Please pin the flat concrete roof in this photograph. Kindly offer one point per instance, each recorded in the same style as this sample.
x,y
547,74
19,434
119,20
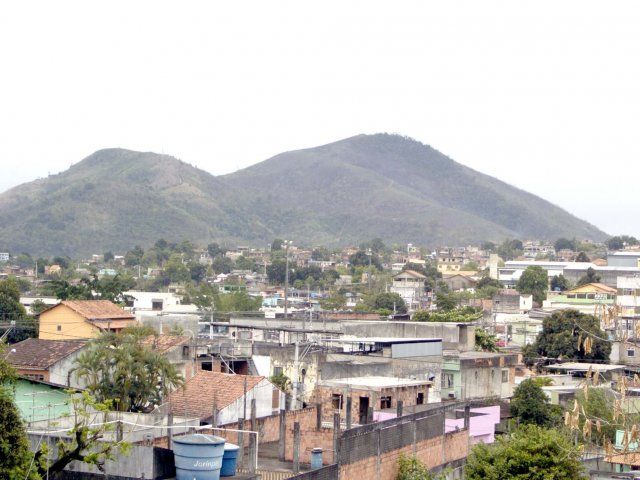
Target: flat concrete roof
x,y
374,382
387,340
583,367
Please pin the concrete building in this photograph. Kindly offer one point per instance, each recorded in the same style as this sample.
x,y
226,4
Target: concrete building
x,y
474,375
623,259
410,285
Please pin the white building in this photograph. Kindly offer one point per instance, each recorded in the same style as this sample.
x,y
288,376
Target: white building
x,y
410,285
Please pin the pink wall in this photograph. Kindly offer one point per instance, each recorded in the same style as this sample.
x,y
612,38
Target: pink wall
x,y
481,427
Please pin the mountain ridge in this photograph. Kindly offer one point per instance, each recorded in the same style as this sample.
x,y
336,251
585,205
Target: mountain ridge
x,y
343,192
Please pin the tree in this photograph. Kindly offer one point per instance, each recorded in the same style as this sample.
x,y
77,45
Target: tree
x,y
10,307
336,301
222,264
485,342
564,335
237,302
487,246
388,301
590,277
582,257
446,301
15,457
134,257
108,256
599,405
214,250
509,249
246,263
410,468
38,306
534,281
530,404
121,366
281,381
564,244
620,241
85,440
531,453
197,271
276,271
559,283
362,259
176,270
276,244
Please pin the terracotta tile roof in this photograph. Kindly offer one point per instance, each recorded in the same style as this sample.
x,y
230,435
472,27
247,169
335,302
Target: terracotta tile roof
x,y
163,343
197,396
98,309
37,353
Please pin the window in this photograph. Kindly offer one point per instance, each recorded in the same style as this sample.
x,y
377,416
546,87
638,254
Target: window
x,y
185,351
447,380
40,378
420,399
59,328
277,371
505,376
336,401
385,402
631,352
156,305
275,399
245,334
272,335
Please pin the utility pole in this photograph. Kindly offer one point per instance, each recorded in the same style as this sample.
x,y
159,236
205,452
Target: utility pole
x,y
286,276
369,254
296,373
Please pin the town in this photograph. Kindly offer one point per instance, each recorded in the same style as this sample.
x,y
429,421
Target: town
x,y
375,361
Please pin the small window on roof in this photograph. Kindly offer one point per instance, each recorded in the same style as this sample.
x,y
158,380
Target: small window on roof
x,y
59,328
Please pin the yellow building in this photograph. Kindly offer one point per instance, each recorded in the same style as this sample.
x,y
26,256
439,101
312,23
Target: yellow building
x,y
82,319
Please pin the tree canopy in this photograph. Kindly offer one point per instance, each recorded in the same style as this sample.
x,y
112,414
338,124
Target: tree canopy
x,y
123,367
569,334
531,453
530,405
589,277
534,281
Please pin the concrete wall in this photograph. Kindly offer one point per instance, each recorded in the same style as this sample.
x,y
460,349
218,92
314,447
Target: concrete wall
x,y
63,372
454,336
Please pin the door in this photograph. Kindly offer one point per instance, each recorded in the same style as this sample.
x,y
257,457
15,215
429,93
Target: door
x,y
362,410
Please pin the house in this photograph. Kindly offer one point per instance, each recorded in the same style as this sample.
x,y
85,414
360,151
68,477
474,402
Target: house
x,y
4,256
459,281
585,298
225,393
82,319
410,285
50,361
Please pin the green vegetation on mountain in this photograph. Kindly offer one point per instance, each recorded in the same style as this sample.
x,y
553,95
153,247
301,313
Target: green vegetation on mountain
x,y
369,186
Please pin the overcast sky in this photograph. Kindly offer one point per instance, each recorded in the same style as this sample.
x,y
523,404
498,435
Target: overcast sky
x,y
544,95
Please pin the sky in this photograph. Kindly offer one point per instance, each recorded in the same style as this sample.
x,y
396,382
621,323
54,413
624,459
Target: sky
x,y
544,95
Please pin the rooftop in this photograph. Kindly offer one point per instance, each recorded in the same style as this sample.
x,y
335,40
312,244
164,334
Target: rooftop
x,y
163,343
374,382
96,309
36,353
583,367
199,392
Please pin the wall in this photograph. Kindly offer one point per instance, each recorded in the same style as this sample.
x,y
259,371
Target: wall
x,y
62,373
310,436
454,336
262,392
74,326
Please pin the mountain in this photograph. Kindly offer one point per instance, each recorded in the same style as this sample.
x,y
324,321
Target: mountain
x,y
345,192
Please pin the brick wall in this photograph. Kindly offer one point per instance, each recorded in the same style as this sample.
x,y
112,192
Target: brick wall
x,y
310,437
433,452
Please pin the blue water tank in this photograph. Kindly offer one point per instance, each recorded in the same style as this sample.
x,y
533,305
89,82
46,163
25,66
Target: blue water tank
x,y
229,460
316,458
198,456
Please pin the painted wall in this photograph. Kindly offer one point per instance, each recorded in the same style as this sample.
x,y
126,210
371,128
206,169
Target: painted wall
x,y
263,393
73,326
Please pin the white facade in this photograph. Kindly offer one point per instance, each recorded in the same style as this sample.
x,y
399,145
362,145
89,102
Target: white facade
x,y
265,404
4,256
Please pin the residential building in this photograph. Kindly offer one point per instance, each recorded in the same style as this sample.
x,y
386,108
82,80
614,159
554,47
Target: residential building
x,y
50,361
82,319
4,256
411,286
458,281
585,298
